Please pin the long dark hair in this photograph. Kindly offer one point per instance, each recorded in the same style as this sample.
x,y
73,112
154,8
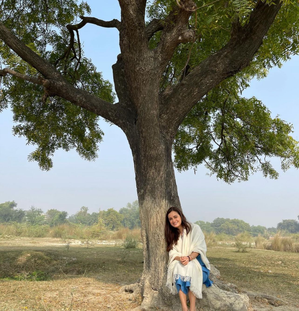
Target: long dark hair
x,y
172,234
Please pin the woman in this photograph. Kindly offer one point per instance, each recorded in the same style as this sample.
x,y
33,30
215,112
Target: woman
x,y
188,266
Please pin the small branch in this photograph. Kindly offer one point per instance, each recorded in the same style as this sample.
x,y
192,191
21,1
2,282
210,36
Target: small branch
x,y
193,7
74,28
95,21
34,80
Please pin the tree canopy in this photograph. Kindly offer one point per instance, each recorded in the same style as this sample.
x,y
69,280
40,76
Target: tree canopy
x,y
8,213
289,225
232,135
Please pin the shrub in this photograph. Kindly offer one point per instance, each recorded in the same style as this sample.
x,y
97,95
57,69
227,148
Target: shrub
x,y
296,248
130,242
37,231
210,239
287,244
282,244
276,242
122,233
243,241
260,242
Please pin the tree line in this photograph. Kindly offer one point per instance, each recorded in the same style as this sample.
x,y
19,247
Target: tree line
x,y
111,219
128,217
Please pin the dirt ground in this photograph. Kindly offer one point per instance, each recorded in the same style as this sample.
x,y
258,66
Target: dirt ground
x,y
82,293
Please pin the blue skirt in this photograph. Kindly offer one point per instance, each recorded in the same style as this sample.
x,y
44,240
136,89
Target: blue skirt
x,y
184,286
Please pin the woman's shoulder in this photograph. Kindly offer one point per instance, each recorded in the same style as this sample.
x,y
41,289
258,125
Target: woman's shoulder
x,y
195,227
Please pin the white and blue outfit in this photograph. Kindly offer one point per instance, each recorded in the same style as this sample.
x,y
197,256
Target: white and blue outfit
x,y
196,272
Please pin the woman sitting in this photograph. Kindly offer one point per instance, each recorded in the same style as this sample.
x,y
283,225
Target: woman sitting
x,y
188,267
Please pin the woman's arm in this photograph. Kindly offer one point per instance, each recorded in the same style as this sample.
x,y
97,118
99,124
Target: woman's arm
x,y
193,255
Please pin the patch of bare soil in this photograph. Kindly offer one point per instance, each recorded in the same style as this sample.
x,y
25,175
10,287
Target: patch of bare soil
x,y
76,294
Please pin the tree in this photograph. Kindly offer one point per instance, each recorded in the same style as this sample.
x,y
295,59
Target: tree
x,y
217,223
289,225
258,230
130,214
178,81
230,226
111,219
8,213
84,218
205,226
55,217
35,216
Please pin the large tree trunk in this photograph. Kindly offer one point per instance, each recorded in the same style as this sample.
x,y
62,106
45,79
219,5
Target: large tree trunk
x,y
157,191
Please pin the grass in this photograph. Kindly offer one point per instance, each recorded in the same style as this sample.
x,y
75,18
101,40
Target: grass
x,y
37,277
56,278
261,271
114,264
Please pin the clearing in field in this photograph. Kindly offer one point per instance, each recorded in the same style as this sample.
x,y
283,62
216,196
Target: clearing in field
x,y
48,274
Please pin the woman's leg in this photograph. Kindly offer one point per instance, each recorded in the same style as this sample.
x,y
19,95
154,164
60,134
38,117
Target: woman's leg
x,y
192,299
183,299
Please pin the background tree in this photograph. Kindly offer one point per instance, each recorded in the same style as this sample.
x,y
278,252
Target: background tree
x,y
8,213
205,226
289,225
230,226
35,216
111,218
130,214
178,81
84,218
217,223
258,230
55,217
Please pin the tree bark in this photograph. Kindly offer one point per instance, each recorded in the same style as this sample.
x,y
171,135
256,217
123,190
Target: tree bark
x,y
157,191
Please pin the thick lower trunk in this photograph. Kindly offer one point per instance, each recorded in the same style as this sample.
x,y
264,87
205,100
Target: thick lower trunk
x,y
157,191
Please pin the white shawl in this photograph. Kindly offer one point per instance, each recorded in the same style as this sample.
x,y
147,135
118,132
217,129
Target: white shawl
x,y
188,243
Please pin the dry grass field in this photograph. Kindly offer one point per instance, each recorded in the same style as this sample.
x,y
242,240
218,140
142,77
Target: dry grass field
x,y
46,274
260,272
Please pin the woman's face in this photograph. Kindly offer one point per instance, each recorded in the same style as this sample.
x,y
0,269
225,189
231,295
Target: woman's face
x,y
175,220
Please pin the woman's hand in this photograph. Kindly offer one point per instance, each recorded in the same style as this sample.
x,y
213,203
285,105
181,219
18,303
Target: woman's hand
x,y
184,260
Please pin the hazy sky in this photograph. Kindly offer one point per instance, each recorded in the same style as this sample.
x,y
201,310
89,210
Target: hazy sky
x,y
110,182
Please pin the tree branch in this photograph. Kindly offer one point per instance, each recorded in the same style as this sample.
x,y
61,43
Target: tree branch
x,y
56,85
232,58
34,60
74,28
133,38
154,26
34,80
95,21
176,31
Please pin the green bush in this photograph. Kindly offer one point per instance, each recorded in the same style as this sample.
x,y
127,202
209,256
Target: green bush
x,y
243,241
130,242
